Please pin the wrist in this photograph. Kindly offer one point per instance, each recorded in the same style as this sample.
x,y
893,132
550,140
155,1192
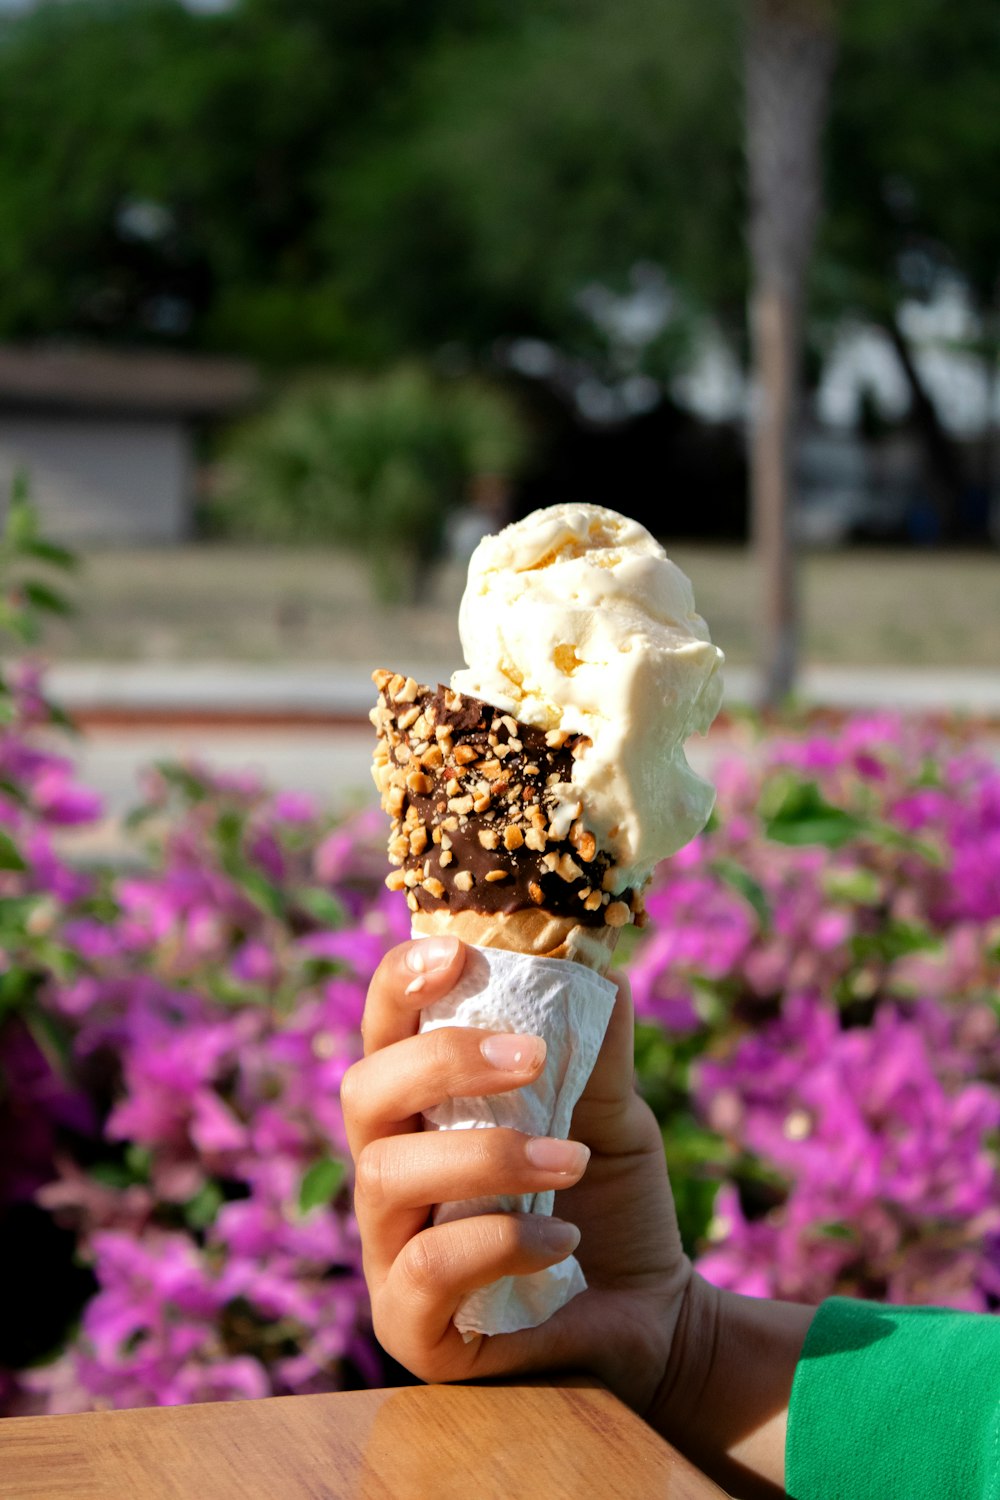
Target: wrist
x,y
724,1396
690,1358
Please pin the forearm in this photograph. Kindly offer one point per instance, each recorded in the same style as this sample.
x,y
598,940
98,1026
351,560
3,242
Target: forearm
x,y
724,1398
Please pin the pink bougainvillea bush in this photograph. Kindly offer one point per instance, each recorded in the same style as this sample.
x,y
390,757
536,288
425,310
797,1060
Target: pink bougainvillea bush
x,y
821,979
818,999
172,1068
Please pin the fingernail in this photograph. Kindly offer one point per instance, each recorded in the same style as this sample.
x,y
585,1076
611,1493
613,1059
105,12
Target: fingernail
x,y
430,953
568,1158
554,1235
512,1052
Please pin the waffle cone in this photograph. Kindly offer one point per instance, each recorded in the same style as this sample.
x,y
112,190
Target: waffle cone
x,y
534,931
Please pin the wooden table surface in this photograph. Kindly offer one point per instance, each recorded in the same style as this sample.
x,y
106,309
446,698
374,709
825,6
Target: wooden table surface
x,y
568,1441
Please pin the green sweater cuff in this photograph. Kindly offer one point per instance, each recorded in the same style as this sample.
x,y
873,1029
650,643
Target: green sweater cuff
x,y
899,1402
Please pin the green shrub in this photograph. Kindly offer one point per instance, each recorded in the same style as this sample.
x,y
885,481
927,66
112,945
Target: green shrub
x,y
373,464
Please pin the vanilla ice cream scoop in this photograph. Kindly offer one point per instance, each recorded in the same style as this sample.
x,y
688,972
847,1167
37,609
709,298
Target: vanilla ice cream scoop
x,y
575,620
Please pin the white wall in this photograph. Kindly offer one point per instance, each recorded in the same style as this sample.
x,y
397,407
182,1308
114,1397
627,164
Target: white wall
x,y
101,480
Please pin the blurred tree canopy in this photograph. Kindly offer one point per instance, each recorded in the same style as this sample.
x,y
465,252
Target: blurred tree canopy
x,y
298,180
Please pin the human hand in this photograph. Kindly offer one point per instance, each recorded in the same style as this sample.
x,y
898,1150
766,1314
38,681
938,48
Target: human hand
x,y
619,1201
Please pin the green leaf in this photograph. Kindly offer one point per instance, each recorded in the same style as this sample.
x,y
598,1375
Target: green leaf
x,y
182,780
42,597
17,984
857,885
10,855
139,1160
22,522
800,814
741,881
200,1211
50,1037
321,1183
322,905
60,718
48,552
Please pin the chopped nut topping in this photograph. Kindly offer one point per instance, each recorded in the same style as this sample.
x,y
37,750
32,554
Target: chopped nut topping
x,y
514,744
418,783
464,755
584,842
593,901
446,858
513,838
481,803
395,880
396,686
556,738
442,839
617,914
418,841
569,869
433,887
380,677
488,838
432,757
490,768
411,901
461,805
502,751
509,724
463,880
535,839
407,693
493,875
402,754
410,717
535,892
531,769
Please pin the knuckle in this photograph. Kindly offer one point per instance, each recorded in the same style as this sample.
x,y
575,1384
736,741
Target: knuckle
x,y
457,1059
351,1092
370,1175
420,1266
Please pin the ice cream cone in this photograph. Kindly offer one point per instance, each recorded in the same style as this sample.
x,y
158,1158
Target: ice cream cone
x,y
485,842
535,932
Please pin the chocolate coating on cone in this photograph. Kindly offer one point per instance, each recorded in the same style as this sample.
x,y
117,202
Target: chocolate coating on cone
x,y
478,802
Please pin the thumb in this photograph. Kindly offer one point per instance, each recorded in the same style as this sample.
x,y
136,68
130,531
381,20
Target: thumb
x,y
611,1085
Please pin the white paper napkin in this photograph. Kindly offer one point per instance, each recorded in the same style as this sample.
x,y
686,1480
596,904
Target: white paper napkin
x,y
570,1006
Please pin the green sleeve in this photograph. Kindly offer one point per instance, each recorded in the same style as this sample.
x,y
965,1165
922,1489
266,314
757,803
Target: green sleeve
x,y
895,1403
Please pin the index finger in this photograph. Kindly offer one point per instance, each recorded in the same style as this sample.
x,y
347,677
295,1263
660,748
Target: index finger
x,y
409,977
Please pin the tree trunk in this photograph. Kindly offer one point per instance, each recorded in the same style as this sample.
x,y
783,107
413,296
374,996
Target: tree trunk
x,y
790,53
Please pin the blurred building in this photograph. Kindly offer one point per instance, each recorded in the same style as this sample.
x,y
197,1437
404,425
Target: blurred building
x,y
107,437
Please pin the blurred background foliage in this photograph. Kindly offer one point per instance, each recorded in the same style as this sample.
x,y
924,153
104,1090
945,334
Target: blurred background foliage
x,y
357,183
